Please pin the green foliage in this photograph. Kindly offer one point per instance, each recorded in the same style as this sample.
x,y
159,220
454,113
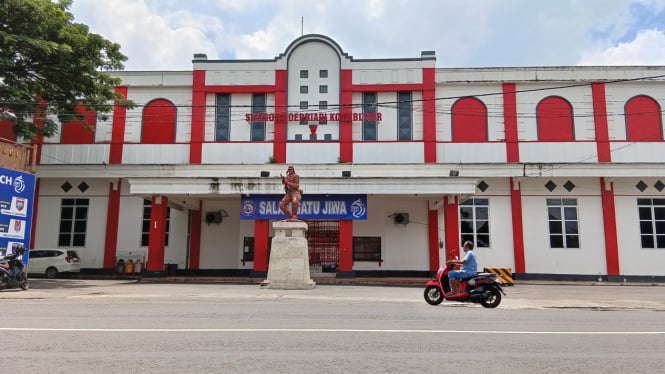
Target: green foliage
x,y
49,65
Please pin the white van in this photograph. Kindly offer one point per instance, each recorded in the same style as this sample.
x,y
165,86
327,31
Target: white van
x,y
51,262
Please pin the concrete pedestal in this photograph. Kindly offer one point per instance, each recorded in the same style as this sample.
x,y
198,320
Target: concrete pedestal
x,y
288,268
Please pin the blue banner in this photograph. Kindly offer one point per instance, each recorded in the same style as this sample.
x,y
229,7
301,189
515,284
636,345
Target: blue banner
x,y
17,190
311,207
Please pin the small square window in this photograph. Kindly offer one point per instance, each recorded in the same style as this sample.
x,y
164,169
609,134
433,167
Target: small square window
x,y
304,73
304,89
323,105
323,88
323,73
304,105
303,122
298,137
323,122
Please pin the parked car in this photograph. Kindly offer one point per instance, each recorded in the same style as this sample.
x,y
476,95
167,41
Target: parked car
x,y
52,262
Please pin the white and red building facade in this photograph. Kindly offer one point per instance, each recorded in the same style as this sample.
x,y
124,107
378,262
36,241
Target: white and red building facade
x,y
552,171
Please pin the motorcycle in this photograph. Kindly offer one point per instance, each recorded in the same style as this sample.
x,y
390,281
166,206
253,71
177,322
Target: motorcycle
x,y
13,273
483,288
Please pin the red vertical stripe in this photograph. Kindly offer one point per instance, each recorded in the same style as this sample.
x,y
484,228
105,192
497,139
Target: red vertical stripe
x,y
35,206
346,127
346,245
518,229
433,231
600,122
279,144
157,234
118,131
195,238
112,220
198,116
429,115
610,224
38,121
510,122
451,221
261,237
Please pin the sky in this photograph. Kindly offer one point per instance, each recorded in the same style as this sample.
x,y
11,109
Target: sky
x,y
165,34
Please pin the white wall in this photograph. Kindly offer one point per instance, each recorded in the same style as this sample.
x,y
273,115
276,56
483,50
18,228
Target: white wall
x,y
80,154
558,152
451,92
578,97
633,259
540,258
48,217
388,152
181,97
221,244
617,94
501,252
404,247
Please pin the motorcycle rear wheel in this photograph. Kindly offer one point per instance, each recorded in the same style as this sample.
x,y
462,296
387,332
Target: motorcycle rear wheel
x,y
493,299
433,295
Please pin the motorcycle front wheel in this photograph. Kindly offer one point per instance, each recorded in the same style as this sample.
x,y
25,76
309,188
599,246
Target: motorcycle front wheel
x,y
24,283
433,295
493,299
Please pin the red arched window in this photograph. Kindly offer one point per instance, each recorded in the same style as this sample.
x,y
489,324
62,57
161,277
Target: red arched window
x,y
6,130
555,120
80,131
159,118
643,120
469,120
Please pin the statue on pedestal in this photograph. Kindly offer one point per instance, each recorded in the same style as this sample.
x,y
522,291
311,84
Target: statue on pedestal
x,y
292,196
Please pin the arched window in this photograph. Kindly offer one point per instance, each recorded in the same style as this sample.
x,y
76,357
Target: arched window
x,y
80,131
555,120
643,120
159,119
469,120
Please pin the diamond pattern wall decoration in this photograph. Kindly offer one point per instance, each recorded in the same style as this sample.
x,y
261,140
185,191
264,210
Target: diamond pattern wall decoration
x,y
83,186
659,186
66,186
483,186
569,186
550,186
641,186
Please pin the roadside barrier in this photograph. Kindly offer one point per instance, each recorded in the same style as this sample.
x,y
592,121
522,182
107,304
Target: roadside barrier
x,y
504,274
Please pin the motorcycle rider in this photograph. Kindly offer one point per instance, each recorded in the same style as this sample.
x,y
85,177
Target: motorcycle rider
x,y
469,267
15,265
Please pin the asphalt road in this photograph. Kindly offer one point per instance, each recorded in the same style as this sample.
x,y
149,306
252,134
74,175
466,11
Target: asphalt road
x,y
108,326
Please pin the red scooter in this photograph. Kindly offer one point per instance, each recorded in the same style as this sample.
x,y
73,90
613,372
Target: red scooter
x,y
483,288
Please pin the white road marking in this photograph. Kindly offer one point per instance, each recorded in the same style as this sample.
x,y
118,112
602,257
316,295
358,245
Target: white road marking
x,y
489,332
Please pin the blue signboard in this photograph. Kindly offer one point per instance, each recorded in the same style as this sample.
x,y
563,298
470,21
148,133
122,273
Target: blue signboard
x,y
17,190
311,207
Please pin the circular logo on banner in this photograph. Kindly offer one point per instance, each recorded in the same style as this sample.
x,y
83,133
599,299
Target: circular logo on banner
x,y
248,207
19,185
358,209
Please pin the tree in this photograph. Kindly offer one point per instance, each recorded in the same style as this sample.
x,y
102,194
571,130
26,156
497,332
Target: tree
x,y
50,65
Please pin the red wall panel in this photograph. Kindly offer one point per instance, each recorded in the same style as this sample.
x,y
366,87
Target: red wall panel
x,y
643,121
555,120
159,119
469,120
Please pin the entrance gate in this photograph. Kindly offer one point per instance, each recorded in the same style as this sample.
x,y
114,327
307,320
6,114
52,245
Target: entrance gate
x,y
323,245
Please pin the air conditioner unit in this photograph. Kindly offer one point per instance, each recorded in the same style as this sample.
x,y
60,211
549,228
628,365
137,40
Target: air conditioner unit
x,y
401,218
214,217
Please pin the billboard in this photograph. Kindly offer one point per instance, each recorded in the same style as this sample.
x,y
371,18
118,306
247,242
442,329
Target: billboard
x,y
17,190
311,207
